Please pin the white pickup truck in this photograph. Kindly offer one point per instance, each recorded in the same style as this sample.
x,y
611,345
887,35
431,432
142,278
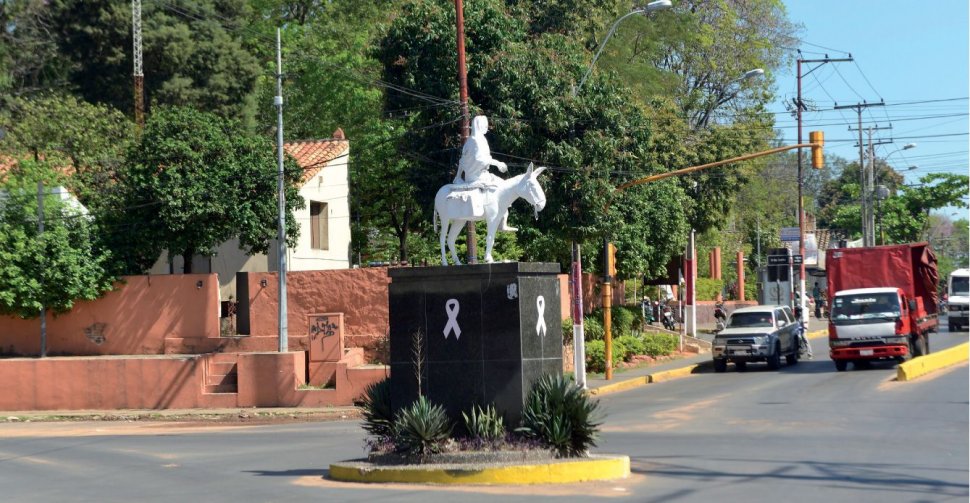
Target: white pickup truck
x,y
755,334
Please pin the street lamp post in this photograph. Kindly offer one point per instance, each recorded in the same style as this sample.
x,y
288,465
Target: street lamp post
x,y
873,195
579,349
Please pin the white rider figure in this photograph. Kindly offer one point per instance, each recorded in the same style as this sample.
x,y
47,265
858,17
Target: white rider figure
x,y
475,160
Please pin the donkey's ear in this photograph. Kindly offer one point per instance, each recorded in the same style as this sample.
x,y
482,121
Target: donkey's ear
x,y
538,171
529,170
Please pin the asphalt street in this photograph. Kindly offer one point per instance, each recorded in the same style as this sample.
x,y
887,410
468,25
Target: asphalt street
x,y
803,433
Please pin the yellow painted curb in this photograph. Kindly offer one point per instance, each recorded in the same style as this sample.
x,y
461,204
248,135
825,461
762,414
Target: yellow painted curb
x,y
635,382
620,386
560,471
667,375
817,334
934,361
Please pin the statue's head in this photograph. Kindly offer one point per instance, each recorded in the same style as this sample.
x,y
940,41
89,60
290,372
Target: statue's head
x,y
479,125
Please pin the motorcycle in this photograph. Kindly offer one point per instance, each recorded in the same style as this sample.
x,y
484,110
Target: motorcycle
x,y
720,317
668,318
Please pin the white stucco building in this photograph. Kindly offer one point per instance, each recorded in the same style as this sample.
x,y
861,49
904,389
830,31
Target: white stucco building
x,y
324,221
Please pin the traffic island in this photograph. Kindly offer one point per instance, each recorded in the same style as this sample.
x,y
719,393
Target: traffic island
x,y
932,362
487,472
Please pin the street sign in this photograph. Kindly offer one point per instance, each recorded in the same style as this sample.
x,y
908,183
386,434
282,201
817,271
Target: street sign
x,y
796,260
778,260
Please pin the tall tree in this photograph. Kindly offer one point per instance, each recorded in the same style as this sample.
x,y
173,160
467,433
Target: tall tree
x,y
56,267
193,182
193,53
522,81
88,141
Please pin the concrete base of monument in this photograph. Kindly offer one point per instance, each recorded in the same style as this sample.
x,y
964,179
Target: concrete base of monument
x,y
549,471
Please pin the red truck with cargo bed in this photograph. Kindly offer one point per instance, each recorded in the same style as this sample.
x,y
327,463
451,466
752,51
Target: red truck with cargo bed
x,y
883,302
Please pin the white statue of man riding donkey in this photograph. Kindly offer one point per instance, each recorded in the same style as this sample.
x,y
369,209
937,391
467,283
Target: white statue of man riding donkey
x,y
482,196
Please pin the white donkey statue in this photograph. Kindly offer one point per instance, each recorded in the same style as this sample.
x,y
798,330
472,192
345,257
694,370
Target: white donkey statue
x,y
455,206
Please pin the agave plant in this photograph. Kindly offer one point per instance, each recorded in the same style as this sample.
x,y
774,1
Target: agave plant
x,y
484,425
561,416
376,409
421,429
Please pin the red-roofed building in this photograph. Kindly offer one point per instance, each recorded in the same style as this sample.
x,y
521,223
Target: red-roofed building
x,y
324,221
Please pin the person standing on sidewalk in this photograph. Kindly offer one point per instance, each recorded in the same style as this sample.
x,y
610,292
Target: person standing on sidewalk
x,y
806,348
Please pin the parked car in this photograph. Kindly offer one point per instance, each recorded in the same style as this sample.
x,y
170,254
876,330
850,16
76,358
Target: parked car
x,y
756,334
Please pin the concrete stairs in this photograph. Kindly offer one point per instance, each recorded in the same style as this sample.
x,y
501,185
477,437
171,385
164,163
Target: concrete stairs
x,y
220,374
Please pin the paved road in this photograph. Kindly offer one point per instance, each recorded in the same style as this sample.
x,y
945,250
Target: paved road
x,y
804,433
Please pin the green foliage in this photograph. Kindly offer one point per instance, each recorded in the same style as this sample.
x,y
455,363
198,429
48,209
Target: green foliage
x,y
54,268
631,345
562,416
708,289
567,331
596,355
659,344
193,53
88,141
421,429
629,319
193,182
484,425
523,81
592,328
376,408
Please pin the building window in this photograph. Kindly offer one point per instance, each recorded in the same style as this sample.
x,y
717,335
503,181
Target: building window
x,y
319,240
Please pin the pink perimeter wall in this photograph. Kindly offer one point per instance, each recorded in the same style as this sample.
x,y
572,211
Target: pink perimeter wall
x,y
133,319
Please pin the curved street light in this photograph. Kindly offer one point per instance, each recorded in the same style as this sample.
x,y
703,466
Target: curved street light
x,y
650,7
577,260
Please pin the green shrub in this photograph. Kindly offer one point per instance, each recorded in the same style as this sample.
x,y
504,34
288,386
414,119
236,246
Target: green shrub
x,y
592,328
596,355
375,406
707,288
631,344
626,320
561,416
484,425
421,429
567,331
658,344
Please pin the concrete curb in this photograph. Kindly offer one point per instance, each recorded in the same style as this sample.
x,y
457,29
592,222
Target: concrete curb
x,y
667,375
922,365
560,471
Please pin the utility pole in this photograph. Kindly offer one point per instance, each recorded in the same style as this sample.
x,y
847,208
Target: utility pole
x,y
799,107
281,189
870,177
139,75
40,236
863,182
471,238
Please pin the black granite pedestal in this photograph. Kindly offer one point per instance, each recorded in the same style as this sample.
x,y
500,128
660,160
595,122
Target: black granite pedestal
x,y
487,333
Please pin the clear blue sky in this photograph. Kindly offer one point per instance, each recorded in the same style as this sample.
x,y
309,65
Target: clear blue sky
x,y
904,52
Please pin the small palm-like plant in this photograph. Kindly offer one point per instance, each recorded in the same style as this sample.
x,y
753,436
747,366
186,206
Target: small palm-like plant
x,y
484,425
562,416
376,409
421,429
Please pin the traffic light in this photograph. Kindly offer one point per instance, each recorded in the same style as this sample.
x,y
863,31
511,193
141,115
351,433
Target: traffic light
x,y
817,139
610,260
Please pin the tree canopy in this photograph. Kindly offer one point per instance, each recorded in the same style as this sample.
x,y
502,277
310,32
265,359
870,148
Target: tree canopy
x,y
194,181
54,268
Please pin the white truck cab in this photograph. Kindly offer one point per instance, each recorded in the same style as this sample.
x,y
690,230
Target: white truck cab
x,y
958,299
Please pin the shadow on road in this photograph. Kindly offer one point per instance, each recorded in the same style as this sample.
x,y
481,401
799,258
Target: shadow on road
x,y
848,476
306,472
